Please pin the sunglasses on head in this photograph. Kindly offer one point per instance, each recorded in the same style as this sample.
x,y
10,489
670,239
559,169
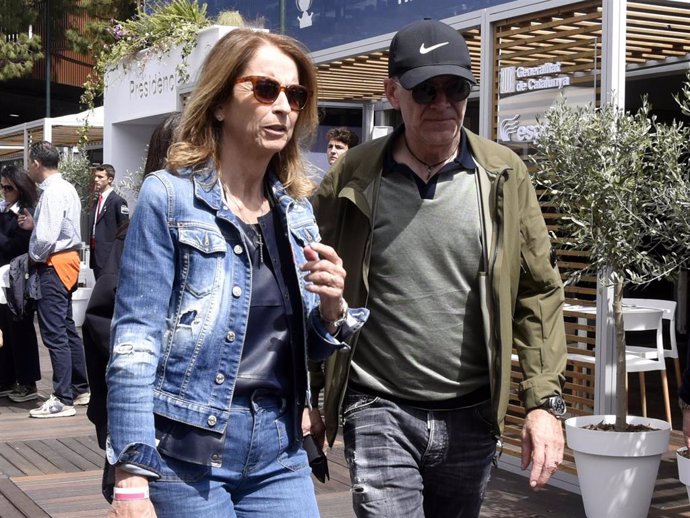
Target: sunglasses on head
x,y
7,188
455,90
267,90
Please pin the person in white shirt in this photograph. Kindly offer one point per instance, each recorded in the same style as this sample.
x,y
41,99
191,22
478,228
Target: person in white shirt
x,y
54,248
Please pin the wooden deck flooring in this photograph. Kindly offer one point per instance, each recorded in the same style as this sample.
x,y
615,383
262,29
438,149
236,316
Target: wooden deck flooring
x,y
52,468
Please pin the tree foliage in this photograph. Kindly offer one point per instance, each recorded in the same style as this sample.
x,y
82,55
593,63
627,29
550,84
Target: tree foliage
x,y
18,51
168,25
97,35
620,182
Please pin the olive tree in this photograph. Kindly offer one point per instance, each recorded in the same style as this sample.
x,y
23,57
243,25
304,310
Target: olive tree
x,y
619,182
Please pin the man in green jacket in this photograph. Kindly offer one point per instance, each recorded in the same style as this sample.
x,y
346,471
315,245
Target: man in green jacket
x,y
443,240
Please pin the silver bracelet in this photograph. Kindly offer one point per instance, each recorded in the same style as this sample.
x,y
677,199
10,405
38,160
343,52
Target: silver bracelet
x,y
342,318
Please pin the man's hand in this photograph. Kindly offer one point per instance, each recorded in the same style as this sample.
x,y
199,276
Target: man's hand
x,y
25,220
312,424
542,445
686,426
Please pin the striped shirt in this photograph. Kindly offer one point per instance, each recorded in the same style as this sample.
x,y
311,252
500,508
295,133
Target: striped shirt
x,y
57,219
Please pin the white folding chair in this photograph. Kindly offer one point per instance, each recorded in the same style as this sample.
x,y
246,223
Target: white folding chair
x,y
669,309
649,360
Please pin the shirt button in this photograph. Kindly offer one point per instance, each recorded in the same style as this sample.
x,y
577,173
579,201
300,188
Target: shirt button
x,y
220,379
236,291
215,457
230,336
212,420
238,249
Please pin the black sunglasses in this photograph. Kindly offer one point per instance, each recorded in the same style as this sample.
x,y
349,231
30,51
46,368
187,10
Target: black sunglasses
x,y
455,90
8,188
267,90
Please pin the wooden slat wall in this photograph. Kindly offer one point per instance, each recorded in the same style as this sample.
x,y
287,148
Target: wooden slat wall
x,y
67,66
570,35
360,78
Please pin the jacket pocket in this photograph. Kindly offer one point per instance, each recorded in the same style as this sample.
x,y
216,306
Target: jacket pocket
x,y
303,225
202,254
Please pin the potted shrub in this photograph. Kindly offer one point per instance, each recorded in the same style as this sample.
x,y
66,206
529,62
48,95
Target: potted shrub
x,y
683,454
619,181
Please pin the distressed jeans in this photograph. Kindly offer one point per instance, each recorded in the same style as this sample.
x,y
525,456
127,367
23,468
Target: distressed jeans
x,y
416,463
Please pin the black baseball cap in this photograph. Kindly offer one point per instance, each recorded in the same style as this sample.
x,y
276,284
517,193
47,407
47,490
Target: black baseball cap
x,y
427,49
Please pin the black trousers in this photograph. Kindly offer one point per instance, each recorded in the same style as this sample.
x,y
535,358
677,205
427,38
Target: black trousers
x,y
19,356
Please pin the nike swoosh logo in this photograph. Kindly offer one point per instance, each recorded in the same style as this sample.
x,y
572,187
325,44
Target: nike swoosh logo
x,y
425,50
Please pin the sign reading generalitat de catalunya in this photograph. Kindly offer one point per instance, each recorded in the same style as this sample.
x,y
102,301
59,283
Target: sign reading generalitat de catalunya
x,y
321,24
525,92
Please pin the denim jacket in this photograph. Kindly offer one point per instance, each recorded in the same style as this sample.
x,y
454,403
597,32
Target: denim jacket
x,y
181,312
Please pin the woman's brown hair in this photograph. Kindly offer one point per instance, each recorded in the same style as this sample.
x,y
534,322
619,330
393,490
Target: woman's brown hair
x,y
199,133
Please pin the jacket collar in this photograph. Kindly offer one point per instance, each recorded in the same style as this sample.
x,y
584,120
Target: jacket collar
x,y
207,188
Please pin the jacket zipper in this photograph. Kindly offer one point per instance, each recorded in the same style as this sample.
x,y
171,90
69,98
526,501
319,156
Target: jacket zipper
x,y
497,309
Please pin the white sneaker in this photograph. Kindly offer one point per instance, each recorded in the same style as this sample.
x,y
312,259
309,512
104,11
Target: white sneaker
x,y
82,399
53,407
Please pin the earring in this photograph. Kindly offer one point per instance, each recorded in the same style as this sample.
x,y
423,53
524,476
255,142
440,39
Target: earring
x,y
219,117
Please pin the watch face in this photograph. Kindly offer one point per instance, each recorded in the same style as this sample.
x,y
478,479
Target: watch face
x,y
557,405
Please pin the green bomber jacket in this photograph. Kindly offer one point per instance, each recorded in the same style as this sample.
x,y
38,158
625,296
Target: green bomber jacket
x,y
520,287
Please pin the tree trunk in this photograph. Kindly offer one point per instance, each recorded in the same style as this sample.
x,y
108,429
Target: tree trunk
x,y
621,373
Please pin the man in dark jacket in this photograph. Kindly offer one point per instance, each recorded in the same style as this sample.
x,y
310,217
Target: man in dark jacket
x,y
443,240
108,212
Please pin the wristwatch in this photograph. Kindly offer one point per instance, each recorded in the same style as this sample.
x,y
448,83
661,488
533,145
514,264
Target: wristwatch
x,y
342,318
555,405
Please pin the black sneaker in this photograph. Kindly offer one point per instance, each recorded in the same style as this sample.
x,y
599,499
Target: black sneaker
x,y
24,393
6,390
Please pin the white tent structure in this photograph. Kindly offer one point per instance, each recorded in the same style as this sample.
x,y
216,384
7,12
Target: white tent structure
x,y
62,131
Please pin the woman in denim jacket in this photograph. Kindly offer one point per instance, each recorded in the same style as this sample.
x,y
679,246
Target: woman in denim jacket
x,y
224,293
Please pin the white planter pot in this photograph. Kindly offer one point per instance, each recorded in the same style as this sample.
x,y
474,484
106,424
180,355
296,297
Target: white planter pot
x,y
683,469
80,299
617,470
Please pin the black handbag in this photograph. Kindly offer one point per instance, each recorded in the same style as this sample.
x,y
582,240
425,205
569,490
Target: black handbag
x,y
317,459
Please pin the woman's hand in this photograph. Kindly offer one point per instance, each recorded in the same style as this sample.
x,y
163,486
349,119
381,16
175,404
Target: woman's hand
x,y
327,279
312,424
141,508
131,509
25,220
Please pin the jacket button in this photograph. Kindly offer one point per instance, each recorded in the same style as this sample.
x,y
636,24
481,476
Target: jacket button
x,y
238,249
212,420
230,336
236,291
220,379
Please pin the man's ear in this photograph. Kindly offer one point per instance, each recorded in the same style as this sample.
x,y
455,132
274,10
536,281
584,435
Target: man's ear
x,y
391,88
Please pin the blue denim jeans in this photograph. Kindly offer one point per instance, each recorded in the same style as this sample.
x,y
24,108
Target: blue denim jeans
x,y
406,461
60,336
265,474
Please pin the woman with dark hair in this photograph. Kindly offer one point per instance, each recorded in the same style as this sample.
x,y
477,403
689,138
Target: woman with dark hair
x,y
162,137
225,291
19,364
99,312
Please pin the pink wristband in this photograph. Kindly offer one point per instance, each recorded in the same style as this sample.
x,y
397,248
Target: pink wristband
x,y
130,493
